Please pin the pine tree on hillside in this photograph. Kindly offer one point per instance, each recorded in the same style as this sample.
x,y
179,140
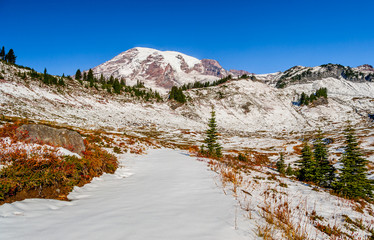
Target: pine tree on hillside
x,y
324,170
102,79
78,75
353,181
281,166
116,86
307,164
90,77
111,79
304,99
10,57
312,97
2,54
213,147
46,77
84,76
177,94
61,82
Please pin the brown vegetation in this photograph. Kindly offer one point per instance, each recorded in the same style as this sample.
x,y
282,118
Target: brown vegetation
x,y
41,172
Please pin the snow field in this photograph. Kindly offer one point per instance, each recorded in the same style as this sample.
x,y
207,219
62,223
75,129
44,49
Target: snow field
x,y
162,195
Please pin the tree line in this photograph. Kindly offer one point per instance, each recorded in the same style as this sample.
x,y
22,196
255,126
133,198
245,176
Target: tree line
x,y
118,86
314,166
198,84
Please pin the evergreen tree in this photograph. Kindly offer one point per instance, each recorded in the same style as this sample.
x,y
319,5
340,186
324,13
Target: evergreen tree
x,y
213,147
281,166
312,97
111,79
84,76
102,79
61,82
324,171
46,77
116,86
289,170
78,75
2,54
177,94
307,164
352,181
90,77
109,88
10,57
322,92
139,84
302,98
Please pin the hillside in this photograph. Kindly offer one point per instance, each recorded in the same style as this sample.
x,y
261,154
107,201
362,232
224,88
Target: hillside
x,y
242,105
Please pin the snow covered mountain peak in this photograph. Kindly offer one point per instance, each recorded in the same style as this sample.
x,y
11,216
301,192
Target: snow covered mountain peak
x,y
161,70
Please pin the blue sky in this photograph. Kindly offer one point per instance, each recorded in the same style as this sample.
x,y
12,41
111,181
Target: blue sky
x,y
257,36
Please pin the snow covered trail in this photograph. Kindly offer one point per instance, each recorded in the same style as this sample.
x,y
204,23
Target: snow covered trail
x,y
162,195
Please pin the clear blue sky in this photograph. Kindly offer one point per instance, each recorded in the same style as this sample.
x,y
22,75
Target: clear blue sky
x,y
257,36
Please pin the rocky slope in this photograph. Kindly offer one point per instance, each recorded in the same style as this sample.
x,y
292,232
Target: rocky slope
x,y
300,74
161,70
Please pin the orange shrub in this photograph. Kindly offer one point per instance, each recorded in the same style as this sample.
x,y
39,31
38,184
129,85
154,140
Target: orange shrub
x,y
40,172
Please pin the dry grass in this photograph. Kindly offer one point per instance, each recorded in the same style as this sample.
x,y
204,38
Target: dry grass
x,y
41,172
281,217
266,232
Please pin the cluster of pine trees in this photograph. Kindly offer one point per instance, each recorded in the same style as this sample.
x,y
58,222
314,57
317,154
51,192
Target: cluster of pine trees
x,y
9,57
305,99
314,166
118,86
177,94
44,77
140,91
50,79
88,77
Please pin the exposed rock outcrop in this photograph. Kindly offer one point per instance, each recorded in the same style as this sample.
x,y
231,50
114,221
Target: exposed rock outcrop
x,y
366,68
239,72
65,138
300,74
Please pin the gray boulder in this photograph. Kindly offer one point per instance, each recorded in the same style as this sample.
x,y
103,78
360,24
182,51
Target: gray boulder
x,y
65,138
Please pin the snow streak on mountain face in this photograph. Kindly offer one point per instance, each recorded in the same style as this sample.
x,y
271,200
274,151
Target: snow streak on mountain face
x,y
161,70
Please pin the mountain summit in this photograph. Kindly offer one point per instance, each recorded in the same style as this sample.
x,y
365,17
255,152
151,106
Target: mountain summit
x,y
161,69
